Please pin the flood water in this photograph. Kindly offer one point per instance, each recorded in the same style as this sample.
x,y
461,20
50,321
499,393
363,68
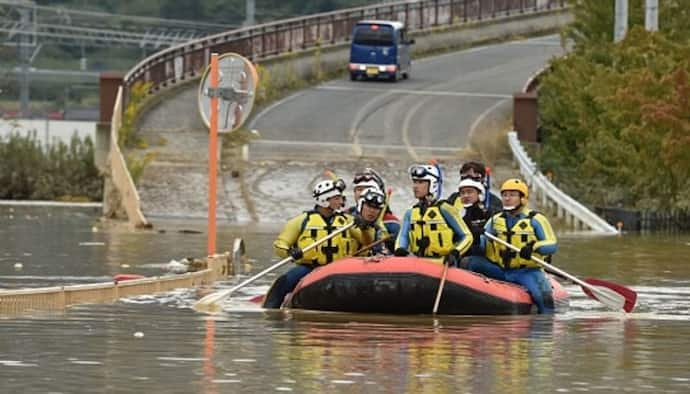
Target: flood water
x,y
158,344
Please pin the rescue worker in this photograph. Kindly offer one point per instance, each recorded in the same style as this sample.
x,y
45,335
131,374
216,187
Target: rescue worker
x,y
308,227
369,208
526,229
478,172
369,178
469,200
432,227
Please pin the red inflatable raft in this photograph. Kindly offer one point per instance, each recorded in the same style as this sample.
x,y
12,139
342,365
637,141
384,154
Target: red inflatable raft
x,y
408,285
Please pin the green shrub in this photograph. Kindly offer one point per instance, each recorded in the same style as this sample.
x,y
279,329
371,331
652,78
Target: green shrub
x,y
64,172
615,118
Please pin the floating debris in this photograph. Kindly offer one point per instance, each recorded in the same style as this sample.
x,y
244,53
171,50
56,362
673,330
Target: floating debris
x,y
177,267
91,243
18,266
138,334
187,231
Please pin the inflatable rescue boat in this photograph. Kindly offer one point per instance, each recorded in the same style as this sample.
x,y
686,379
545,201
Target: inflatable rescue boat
x,y
408,285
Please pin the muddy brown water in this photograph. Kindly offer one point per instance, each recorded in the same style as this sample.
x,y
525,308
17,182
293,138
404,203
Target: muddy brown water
x,y
158,344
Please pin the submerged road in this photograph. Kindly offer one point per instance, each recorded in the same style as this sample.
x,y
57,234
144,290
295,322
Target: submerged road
x,y
452,106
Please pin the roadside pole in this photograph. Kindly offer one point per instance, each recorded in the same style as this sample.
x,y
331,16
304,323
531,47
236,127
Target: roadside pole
x,y
212,158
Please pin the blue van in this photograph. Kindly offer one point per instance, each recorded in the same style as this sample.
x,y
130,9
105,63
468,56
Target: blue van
x,y
381,50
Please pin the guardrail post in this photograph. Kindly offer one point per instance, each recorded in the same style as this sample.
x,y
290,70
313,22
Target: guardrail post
x,y
108,85
318,30
304,33
332,29
263,41
525,116
450,14
421,16
435,12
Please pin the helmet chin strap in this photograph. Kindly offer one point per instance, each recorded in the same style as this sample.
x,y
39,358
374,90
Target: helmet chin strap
x,y
512,209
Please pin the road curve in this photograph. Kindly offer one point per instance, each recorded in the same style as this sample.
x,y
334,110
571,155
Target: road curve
x,y
345,125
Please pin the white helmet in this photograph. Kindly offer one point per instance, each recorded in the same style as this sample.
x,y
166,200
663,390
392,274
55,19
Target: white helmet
x,y
325,190
372,196
371,183
427,172
469,182
368,177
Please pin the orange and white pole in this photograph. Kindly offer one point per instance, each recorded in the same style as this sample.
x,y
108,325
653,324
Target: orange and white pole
x,y
213,157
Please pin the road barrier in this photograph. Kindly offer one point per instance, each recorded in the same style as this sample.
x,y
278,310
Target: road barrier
x,y
549,196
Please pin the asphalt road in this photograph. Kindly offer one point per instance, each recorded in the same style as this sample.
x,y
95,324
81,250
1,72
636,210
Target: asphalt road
x,y
449,103
345,126
431,115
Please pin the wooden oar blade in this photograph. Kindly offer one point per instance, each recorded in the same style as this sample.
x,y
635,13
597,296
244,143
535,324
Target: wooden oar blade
x,y
629,295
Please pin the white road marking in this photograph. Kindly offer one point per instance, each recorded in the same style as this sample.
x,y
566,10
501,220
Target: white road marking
x,y
345,145
481,117
282,101
416,92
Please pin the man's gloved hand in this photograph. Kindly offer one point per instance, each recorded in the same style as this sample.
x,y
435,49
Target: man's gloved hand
x,y
361,222
296,253
401,252
526,251
453,258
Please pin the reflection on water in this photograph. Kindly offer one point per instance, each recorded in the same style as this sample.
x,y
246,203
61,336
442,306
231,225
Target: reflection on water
x,y
95,349
157,344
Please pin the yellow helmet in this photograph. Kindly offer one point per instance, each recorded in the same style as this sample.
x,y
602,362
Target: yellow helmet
x,y
518,185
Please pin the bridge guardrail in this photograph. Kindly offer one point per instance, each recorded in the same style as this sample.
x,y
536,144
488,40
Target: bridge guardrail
x,y
566,206
182,62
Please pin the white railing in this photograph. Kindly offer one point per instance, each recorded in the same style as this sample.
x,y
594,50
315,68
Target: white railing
x,y
575,214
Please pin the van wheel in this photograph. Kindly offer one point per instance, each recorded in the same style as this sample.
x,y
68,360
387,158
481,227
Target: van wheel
x,y
353,77
406,75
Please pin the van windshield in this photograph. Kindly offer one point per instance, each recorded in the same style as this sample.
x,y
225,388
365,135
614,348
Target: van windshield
x,y
374,35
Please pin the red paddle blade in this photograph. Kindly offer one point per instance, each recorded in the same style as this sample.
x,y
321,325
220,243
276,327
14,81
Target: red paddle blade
x,y
627,293
258,299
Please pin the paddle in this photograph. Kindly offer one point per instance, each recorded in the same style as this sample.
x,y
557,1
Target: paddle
x,y
371,245
211,303
440,288
614,296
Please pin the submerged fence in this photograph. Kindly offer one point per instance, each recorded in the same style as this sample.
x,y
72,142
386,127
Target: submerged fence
x,y
647,220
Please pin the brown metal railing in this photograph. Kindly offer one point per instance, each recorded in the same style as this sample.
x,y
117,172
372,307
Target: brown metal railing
x,y
182,62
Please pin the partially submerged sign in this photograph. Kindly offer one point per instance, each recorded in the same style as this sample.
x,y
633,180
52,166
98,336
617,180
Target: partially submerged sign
x,y
236,91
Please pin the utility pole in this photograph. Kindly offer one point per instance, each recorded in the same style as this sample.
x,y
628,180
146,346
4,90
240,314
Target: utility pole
x,y
250,10
620,26
651,15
